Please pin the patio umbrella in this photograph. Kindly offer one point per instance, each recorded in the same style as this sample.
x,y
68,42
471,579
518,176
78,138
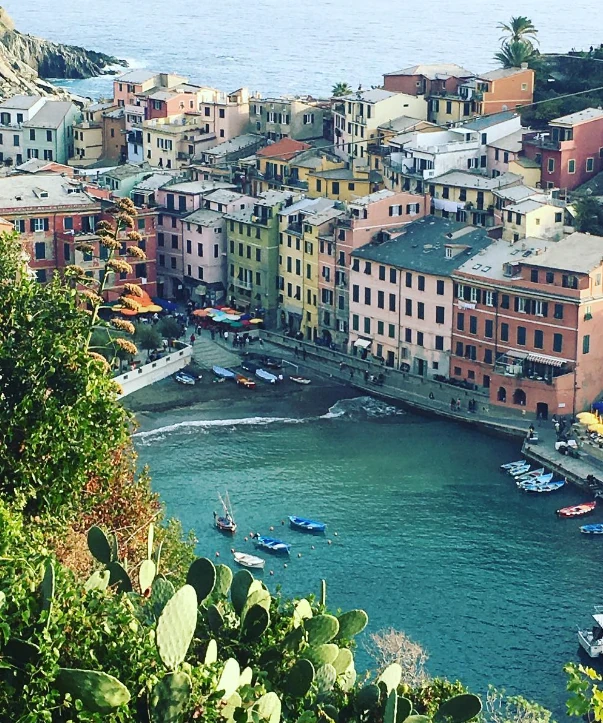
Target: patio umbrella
x,y
165,304
245,317
153,308
598,428
201,313
594,427
233,317
235,324
590,419
584,415
128,312
256,321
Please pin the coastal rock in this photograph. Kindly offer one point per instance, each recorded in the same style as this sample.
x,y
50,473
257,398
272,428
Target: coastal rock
x,y
26,60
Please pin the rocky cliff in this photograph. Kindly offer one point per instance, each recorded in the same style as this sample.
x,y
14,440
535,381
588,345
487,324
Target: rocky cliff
x,y
26,60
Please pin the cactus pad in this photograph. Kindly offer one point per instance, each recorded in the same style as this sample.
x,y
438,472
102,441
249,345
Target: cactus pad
x,y
246,677
302,611
325,678
368,697
418,719
211,654
269,708
146,575
459,709
169,697
300,678
99,692
99,580
214,619
99,546
391,677
256,622
239,588
176,627
162,590
343,661
404,709
223,580
321,654
202,576
347,680
351,623
321,629
229,678
119,578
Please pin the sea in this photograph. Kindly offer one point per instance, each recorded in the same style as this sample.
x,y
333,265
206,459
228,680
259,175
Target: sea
x,y
424,530
284,46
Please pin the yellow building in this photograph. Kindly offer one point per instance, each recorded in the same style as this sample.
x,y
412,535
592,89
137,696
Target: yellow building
x,y
343,184
379,147
301,227
171,142
88,143
528,168
468,197
533,218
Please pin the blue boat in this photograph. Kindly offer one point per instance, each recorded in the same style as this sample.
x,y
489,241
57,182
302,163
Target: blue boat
x,y
592,529
223,373
546,487
304,525
266,376
541,480
270,544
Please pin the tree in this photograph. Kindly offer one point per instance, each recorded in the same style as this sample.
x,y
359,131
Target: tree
x,y
519,28
147,338
169,328
501,708
589,215
393,646
515,52
341,89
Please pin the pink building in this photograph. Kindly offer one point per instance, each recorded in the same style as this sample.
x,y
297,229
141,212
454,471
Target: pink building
x,y
402,293
367,218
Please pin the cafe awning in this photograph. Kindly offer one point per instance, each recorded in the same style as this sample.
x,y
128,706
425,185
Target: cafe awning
x,y
545,359
363,343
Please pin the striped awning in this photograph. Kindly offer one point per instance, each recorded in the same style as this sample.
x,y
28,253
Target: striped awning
x,y
544,359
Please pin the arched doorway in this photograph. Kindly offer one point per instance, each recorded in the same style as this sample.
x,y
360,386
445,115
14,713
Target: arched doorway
x,y
519,397
502,394
542,410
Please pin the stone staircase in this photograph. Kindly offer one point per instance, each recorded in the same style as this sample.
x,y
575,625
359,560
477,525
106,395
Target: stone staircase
x,y
208,353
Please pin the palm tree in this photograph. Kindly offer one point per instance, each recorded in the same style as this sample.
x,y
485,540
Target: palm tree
x,y
515,52
340,89
518,29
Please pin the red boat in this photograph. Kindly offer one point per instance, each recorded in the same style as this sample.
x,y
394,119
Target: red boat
x,y
578,510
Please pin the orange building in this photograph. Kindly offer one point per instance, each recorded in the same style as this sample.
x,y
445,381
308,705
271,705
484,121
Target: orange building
x,y
504,89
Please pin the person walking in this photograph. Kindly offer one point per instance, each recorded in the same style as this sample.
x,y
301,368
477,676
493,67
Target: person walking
x,y
296,351
452,404
458,405
304,354
351,373
193,339
261,341
213,334
225,336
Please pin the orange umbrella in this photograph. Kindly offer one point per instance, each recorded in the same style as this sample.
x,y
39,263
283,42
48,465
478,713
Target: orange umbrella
x,y
256,321
201,313
128,312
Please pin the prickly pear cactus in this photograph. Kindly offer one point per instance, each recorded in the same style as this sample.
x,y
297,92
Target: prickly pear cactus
x,y
259,597
162,590
215,619
169,698
347,679
321,629
239,588
257,621
301,612
343,661
99,546
211,654
119,578
202,576
229,678
325,678
268,708
351,623
99,580
368,697
176,627
390,677
321,654
146,575
459,709
223,580
99,692
300,678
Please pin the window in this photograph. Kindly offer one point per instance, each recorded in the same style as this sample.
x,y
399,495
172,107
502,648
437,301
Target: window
x,y
538,339
569,282
355,322
38,224
408,336
391,331
41,275
318,184
590,165
458,350
392,302
380,328
160,239
381,273
421,310
558,342
335,188
173,262
367,296
473,324
550,167
392,276
488,356
521,335
558,314
445,192
16,141
161,260
200,272
40,250
308,119
419,338
200,248
534,275
558,219
550,277
439,343
440,287
489,329
408,281
355,292
381,300
504,332
189,247
440,314
174,241
32,134
421,283
367,325
460,322
367,267
408,307
571,166
586,343
351,186
504,302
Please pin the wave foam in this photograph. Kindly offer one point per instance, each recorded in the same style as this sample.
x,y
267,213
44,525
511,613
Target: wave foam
x,y
210,423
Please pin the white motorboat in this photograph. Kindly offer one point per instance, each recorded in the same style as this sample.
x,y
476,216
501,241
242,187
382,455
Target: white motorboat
x,y
592,640
532,474
520,471
300,380
255,563
510,465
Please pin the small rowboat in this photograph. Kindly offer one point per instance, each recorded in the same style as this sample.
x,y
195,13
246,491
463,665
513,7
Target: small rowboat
x,y
184,378
533,474
543,488
266,376
577,510
243,381
530,482
519,471
223,373
304,525
592,529
242,558
510,465
270,544
300,380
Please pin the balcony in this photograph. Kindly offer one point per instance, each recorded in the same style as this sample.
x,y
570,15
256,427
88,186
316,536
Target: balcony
x,y
532,366
243,285
295,228
376,149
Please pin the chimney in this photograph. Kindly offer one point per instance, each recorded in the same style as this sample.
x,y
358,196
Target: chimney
x,y
524,66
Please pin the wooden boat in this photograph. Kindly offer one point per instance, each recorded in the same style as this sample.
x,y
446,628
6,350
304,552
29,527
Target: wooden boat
x,y
266,376
223,373
592,529
510,465
271,544
184,378
244,381
577,510
255,563
304,525
300,380
519,471
543,488
532,474
225,522
541,480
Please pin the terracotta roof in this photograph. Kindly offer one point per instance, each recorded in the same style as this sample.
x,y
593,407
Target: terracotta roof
x,y
284,150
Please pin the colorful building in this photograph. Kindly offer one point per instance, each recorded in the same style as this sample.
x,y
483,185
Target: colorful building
x,y
402,292
570,154
427,79
14,112
300,118
504,89
524,323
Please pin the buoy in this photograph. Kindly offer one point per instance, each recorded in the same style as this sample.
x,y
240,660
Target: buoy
x,y
271,528
329,542
285,565
282,522
313,547
272,572
217,554
251,534
299,554
232,549
245,539
335,534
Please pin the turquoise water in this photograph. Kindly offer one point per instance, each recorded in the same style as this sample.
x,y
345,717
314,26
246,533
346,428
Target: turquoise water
x,y
431,538
280,46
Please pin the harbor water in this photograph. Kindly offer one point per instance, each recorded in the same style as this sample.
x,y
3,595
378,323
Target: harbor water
x,y
425,532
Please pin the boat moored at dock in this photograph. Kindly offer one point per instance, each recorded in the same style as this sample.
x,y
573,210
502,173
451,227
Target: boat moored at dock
x,y
223,373
577,510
